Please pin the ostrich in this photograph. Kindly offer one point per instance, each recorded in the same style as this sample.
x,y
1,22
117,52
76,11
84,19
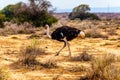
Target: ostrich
x,y
65,34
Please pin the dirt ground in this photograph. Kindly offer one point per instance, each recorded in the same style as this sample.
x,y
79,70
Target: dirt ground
x,y
10,48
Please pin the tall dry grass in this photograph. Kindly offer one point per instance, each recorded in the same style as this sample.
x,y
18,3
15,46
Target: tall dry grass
x,y
4,74
29,54
103,68
84,56
11,29
95,33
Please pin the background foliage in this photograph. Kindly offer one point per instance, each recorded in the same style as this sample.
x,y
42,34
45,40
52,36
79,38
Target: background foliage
x,y
82,12
36,12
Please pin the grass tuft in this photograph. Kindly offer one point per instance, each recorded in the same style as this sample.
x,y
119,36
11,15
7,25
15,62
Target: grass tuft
x,y
30,52
34,36
102,68
11,29
95,33
4,74
84,56
50,63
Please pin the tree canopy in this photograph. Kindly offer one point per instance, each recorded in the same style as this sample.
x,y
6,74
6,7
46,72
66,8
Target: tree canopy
x,y
35,12
81,8
82,12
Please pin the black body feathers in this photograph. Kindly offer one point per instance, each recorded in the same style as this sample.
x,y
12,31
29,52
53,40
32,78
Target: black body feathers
x,y
65,31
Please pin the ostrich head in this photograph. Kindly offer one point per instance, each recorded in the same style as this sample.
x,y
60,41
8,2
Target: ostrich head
x,y
81,35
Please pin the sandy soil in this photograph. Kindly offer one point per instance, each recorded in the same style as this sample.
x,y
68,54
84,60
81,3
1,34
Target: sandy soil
x,y
10,48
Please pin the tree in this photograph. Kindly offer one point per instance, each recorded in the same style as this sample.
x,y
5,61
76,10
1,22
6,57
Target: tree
x,y
35,12
82,12
36,6
2,18
8,12
81,8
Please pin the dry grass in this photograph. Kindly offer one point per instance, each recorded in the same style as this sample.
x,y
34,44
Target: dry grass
x,y
102,68
31,51
4,74
77,69
118,45
11,29
57,76
50,63
34,36
112,31
95,33
84,56
90,64
107,43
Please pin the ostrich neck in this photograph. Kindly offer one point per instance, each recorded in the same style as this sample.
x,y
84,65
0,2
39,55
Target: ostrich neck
x,y
48,31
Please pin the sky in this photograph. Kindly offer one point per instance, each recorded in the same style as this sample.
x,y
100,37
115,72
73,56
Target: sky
x,y
92,3
70,4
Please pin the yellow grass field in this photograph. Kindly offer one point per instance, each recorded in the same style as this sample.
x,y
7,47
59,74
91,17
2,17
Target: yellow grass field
x,y
67,69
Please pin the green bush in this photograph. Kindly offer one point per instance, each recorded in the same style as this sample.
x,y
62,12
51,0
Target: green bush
x,y
83,16
8,12
41,19
2,18
36,13
93,16
81,12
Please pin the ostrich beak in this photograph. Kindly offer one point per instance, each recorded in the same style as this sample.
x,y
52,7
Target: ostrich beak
x,y
81,34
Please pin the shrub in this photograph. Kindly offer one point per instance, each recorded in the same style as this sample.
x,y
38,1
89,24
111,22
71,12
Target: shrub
x,y
8,12
41,19
29,54
77,68
50,63
36,36
102,68
83,16
92,16
84,56
4,74
95,33
10,28
111,31
36,13
118,45
81,12
2,18
1,23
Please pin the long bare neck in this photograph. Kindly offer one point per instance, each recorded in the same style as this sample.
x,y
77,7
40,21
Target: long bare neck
x,y
48,31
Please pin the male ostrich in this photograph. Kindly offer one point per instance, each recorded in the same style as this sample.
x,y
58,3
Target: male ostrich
x,y
65,34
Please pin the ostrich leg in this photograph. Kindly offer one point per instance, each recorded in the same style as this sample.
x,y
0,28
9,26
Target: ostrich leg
x,y
61,48
69,49
65,43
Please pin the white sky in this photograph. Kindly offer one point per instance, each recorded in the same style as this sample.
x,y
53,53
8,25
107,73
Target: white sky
x,y
68,4
92,3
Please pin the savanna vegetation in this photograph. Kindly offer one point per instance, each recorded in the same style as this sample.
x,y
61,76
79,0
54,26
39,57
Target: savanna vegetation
x,y
36,12
26,53
82,12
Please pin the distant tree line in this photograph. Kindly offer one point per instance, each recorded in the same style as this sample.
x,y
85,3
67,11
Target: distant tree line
x,y
36,12
82,12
